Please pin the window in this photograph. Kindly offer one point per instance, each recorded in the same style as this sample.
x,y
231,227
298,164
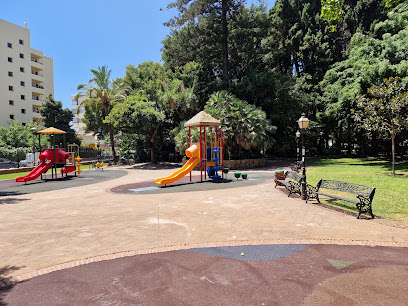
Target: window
x,y
10,73
11,102
22,97
74,111
22,83
11,88
75,120
21,69
81,111
34,109
21,42
10,59
12,117
23,111
21,55
10,45
23,124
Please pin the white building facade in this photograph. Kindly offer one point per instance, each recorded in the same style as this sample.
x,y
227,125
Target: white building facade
x,y
26,76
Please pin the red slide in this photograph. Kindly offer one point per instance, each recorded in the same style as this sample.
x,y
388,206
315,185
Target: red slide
x,y
47,160
37,171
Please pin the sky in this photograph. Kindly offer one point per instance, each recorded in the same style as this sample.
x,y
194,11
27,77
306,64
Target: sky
x,y
83,34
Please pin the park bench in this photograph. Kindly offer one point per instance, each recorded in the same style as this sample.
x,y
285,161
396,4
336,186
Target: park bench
x,y
296,166
363,193
293,185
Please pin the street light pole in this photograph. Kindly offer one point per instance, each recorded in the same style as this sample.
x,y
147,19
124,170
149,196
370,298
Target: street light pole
x,y
33,129
303,125
298,153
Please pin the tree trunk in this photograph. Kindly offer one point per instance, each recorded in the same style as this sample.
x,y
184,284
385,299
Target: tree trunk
x,y
111,134
224,41
112,141
152,155
393,152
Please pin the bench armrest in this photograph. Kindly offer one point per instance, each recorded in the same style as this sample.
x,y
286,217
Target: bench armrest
x,y
311,189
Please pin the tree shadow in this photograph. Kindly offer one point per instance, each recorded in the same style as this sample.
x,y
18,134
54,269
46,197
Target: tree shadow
x,y
10,193
11,201
380,162
5,282
151,166
340,206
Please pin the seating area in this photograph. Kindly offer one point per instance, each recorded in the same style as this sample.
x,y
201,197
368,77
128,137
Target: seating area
x,y
363,193
292,182
296,166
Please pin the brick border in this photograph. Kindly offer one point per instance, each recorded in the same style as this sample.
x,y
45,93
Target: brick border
x,y
6,282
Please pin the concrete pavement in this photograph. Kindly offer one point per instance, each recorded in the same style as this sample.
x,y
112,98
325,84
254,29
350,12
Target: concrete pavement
x,y
47,229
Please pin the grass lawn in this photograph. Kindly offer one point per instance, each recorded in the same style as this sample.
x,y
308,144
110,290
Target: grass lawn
x,y
391,195
12,175
16,175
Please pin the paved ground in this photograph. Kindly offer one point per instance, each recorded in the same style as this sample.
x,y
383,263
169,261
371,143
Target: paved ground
x,y
47,231
241,275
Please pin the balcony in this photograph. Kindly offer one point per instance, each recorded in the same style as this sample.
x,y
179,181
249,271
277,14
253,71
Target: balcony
x,y
37,86
36,100
36,109
35,60
36,74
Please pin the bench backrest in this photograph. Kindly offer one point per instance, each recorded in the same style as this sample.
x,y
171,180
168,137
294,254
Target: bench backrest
x,y
357,189
293,175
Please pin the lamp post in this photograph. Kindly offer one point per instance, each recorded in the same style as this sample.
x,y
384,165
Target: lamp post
x,y
303,125
297,146
98,145
33,129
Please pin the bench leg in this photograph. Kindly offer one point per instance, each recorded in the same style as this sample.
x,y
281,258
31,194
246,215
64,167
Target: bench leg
x,y
364,207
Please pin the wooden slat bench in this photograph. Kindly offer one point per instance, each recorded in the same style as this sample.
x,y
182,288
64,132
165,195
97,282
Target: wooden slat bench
x,y
363,193
296,166
293,185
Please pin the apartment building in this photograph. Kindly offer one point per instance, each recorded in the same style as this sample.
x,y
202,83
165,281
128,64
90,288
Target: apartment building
x,y
26,76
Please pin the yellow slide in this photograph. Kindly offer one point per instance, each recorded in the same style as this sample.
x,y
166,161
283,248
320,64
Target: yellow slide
x,y
194,153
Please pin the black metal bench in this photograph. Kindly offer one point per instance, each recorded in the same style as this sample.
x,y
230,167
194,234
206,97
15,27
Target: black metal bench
x,y
293,186
296,166
364,194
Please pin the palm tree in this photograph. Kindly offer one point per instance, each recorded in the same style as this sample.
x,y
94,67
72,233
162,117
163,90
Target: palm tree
x,y
100,90
178,98
245,126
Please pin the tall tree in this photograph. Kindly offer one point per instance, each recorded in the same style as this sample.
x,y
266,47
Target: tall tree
x,y
246,126
138,115
99,89
55,116
385,110
335,9
215,12
372,58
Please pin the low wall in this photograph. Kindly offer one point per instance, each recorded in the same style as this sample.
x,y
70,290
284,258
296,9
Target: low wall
x,y
245,163
16,170
27,169
239,164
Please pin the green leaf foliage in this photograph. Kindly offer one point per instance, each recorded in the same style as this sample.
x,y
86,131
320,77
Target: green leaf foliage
x,y
18,140
140,116
100,93
245,126
55,116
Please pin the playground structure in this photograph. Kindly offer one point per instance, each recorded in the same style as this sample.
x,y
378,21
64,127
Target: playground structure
x,y
208,154
52,158
74,160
